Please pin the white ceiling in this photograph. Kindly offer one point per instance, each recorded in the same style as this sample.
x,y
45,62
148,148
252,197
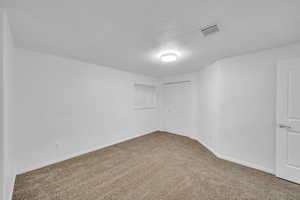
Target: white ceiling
x,y
128,34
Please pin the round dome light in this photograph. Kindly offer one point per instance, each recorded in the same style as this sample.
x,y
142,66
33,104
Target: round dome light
x,y
168,57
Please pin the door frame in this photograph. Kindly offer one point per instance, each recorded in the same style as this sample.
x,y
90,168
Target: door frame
x,y
179,83
282,124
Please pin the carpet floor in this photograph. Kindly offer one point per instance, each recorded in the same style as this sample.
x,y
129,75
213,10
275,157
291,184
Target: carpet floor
x,y
157,166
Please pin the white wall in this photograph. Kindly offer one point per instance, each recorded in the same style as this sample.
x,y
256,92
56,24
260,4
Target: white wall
x,y
8,62
207,83
205,89
62,107
235,104
247,97
6,59
1,108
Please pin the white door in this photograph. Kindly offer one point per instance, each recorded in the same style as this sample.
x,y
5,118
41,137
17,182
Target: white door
x,y
177,108
288,120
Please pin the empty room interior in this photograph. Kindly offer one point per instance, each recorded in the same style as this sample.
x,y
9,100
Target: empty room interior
x,y
150,99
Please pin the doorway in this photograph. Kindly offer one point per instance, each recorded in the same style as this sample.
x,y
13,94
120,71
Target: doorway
x,y
288,120
177,107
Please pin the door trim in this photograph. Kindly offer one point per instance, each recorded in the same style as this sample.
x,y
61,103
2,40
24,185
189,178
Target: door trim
x,y
281,141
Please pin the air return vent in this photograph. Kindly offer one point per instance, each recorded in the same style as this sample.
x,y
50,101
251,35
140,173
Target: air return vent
x,y
209,30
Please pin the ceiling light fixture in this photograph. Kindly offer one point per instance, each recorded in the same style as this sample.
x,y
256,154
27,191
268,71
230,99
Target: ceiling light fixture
x,y
169,57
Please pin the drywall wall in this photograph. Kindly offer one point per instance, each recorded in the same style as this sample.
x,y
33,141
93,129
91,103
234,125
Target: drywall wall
x,y
247,96
1,107
8,62
62,107
207,83
235,106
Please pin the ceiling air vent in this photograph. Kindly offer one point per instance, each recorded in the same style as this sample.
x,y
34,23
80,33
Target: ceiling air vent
x,y
209,30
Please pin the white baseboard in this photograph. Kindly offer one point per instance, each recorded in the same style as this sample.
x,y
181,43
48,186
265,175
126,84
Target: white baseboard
x,y
237,161
247,164
50,162
206,146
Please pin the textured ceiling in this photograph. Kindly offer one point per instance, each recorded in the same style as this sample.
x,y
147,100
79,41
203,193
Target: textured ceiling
x,y
129,34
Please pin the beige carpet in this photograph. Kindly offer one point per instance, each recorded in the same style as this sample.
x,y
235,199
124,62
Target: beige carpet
x,y
157,166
